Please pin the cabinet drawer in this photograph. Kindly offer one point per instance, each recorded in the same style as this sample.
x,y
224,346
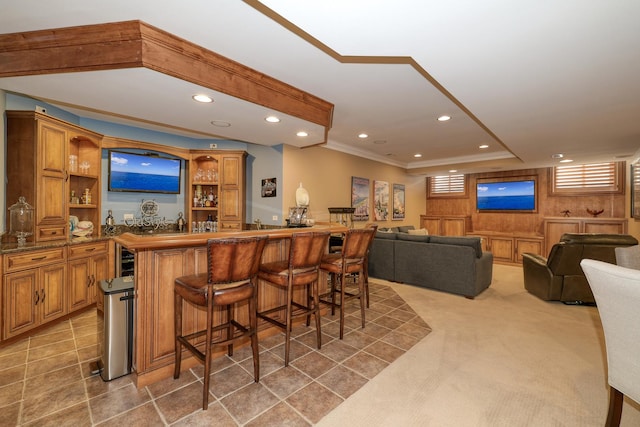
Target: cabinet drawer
x,y
227,226
86,249
54,232
32,259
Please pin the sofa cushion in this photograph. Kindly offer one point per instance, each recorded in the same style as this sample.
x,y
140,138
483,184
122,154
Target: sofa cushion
x,y
414,237
386,235
419,232
405,228
474,242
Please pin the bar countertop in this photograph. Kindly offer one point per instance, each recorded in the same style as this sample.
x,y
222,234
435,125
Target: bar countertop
x,y
174,240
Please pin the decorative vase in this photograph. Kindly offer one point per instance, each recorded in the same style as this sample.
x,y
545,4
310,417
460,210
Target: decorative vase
x,y
302,196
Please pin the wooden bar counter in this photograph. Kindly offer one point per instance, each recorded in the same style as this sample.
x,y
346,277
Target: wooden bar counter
x,y
159,259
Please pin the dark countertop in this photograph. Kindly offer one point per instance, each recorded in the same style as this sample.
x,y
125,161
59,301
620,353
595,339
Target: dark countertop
x,y
12,247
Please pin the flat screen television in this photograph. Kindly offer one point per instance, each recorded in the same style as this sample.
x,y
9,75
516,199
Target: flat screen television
x,y
143,173
506,196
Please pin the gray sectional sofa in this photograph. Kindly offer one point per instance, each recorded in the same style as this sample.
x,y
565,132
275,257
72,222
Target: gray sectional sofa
x,y
451,264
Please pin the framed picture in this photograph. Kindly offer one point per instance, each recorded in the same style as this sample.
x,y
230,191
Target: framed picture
x,y
360,198
381,200
398,202
635,190
268,187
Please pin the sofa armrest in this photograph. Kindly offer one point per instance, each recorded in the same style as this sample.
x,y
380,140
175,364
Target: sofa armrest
x,y
539,279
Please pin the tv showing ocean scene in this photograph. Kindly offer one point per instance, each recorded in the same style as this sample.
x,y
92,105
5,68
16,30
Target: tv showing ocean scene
x,y
506,196
144,173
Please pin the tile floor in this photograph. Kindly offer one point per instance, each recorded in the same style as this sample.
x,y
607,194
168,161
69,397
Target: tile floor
x,y
45,379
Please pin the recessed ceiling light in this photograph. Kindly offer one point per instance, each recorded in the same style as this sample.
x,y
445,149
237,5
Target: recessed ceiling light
x,y
363,136
220,123
557,156
302,133
202,98
483,146
417,155
272,119
566,161
453,170
444,118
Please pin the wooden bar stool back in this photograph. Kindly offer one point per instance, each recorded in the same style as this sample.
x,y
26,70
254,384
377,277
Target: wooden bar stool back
x,y
301,269
350,261
366,262
232,267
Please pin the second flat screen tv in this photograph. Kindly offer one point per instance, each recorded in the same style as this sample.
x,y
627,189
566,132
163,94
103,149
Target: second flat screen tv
x,y
514,196
143,173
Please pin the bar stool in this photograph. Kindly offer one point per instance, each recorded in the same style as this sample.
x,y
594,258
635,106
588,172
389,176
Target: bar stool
x,y
350,261
301,269
366,262
232,267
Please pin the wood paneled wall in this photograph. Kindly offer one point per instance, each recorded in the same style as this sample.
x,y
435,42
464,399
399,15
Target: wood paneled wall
x,y
548,206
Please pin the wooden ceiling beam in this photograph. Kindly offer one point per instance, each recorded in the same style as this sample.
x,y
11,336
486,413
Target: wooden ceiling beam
x,y
133,44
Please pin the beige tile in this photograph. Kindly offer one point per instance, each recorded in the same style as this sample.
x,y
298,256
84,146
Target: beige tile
x,y
10,394
15,347
96,386
12,375
285,381
54,400
168,385
228,380
314,401
338,350
269,362
182,402
145,415
313,364
248,402
342,381
215,415
10,360
277,416
366,364
52,363
9,415
55,379
52,338
51,350
115,402
384,351
76,415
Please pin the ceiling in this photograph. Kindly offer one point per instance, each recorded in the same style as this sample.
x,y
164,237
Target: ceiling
x,y
529,79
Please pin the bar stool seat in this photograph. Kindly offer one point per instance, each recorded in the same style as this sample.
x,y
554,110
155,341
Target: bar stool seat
x,y
301,269
350,261
232,267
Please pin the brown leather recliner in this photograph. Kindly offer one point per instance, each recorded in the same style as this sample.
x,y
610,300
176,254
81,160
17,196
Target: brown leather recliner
x,y
560,277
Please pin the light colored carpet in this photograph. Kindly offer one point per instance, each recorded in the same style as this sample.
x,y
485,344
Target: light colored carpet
x,y
504,359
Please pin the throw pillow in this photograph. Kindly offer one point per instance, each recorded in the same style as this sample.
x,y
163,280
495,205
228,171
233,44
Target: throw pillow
x,y
419,232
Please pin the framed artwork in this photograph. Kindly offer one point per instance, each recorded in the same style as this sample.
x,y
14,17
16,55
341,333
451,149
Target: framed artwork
x,y
635,190
360,198
381,200
398,202
268,187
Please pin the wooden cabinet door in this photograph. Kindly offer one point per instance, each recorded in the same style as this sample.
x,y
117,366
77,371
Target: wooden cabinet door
x,y
502,248
554,229
80,289
53,281
232,191
52,174
99,271
453,226
606,227
527,246
21,296
431,224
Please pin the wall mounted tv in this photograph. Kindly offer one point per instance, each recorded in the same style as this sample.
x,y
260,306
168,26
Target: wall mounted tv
x,y
143,173
517,195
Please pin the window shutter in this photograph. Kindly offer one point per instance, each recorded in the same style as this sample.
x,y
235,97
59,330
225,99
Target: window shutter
x,y
447,186
590,178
